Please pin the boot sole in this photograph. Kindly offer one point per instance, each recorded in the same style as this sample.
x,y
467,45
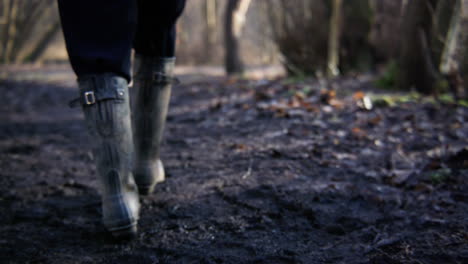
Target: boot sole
x,y
147,190
125,233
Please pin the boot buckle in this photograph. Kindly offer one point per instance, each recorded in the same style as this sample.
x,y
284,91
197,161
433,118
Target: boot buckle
x,y
89,98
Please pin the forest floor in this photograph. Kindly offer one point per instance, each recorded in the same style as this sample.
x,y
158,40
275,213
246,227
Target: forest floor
x,y
258,171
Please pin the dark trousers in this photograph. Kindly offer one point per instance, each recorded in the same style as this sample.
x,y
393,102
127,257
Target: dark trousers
x,y
99,34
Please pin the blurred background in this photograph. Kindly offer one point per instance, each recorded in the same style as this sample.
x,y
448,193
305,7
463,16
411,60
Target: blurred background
x,y
418,44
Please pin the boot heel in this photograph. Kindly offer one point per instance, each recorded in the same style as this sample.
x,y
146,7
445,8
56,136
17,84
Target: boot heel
x,y
147,175
126,233
146,190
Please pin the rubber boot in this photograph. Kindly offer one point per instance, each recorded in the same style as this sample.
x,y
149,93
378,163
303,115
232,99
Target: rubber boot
x,y
153,78
105,102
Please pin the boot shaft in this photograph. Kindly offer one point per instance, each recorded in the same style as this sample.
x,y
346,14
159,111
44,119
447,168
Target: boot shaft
x,y
105,103
153,80
107,114
145,67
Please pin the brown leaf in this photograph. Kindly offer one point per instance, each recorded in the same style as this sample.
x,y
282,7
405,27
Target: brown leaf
x,y
358,132
309,107
375,120
299,95
358,95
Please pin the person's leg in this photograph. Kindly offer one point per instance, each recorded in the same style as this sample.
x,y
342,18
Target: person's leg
x,y
156,31
154,63
98,36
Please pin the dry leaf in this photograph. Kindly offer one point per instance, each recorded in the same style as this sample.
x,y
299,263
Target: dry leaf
x,y
358,95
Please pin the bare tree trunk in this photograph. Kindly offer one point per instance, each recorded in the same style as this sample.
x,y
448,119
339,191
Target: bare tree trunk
x,y
211,21
413,60
4,13
10,31
334,39
442,17
234,22
3,21
41,47
453,63
26,24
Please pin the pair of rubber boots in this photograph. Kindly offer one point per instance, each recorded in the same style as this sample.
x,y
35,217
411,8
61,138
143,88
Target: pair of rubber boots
x,y
127,159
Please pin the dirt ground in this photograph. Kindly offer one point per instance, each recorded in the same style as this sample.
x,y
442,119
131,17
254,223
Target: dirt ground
x,y
258,172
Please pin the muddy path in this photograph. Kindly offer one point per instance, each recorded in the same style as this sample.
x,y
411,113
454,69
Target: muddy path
x,y
257,173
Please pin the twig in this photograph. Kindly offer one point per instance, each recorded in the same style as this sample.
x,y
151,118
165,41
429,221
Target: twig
x,y
249,170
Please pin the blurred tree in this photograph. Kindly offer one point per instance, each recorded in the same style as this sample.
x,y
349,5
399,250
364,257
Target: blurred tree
x,y
442,17
323,36
357,53
334,39
415,62
384,35
236,11
43,43
454,63
301,29
27,28
211,22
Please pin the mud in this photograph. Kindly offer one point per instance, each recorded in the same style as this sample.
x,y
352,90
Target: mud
x,y
248,180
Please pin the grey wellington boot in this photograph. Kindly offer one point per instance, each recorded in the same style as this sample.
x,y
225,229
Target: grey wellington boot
x,y
105,102
153,78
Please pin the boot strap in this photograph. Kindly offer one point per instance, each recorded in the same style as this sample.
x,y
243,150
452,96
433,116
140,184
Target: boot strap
x,y
106,90
161,78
